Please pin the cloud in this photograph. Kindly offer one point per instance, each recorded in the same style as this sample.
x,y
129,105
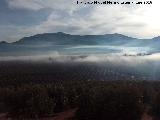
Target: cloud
x,y
11,33
93,58
140,21
98,20
41,4
25,4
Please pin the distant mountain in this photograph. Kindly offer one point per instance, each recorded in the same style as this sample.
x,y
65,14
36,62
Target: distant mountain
x,y
67,39
156,38
78,44
3,43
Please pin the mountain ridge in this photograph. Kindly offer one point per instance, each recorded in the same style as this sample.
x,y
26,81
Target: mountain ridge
x,y
60,35
66,34
66,43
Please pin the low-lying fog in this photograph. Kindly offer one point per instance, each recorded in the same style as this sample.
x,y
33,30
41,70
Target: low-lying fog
x,y
143,65
115,58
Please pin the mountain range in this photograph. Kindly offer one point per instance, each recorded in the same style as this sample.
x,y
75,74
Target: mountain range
x,y
78,44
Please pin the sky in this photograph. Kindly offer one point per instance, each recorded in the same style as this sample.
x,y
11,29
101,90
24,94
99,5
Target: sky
x,y
20,18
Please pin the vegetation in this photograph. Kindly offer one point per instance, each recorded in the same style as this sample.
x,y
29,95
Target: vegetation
x,y
114,100
94,100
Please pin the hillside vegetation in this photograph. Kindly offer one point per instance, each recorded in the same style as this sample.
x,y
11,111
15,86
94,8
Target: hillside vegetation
x,y
93,99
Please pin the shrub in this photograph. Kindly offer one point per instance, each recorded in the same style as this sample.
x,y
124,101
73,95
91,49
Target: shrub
x,y
29,102
111,104
156,107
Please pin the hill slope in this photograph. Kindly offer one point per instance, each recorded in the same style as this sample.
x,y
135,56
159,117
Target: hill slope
x,y
78,44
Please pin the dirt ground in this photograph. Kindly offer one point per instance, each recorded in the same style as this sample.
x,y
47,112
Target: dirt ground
x,y
68,115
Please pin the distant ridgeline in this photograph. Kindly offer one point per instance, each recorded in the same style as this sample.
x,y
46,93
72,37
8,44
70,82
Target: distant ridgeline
x,y
79,44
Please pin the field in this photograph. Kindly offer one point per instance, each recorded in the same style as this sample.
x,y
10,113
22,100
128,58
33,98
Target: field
x,y
96,91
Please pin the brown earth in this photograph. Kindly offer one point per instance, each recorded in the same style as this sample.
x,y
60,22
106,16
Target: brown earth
x,y
146,117
69,115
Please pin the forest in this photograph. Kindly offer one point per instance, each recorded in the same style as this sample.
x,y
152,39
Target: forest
x,y
33,91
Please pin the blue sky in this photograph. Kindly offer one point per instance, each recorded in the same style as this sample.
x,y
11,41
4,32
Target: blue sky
x,y
19,18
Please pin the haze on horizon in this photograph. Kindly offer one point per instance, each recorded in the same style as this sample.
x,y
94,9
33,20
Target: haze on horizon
x,y
21,18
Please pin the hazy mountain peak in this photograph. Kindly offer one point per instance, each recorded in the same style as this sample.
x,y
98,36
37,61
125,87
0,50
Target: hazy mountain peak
x,y
156,38
61,33
118,36
3,42
50,34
